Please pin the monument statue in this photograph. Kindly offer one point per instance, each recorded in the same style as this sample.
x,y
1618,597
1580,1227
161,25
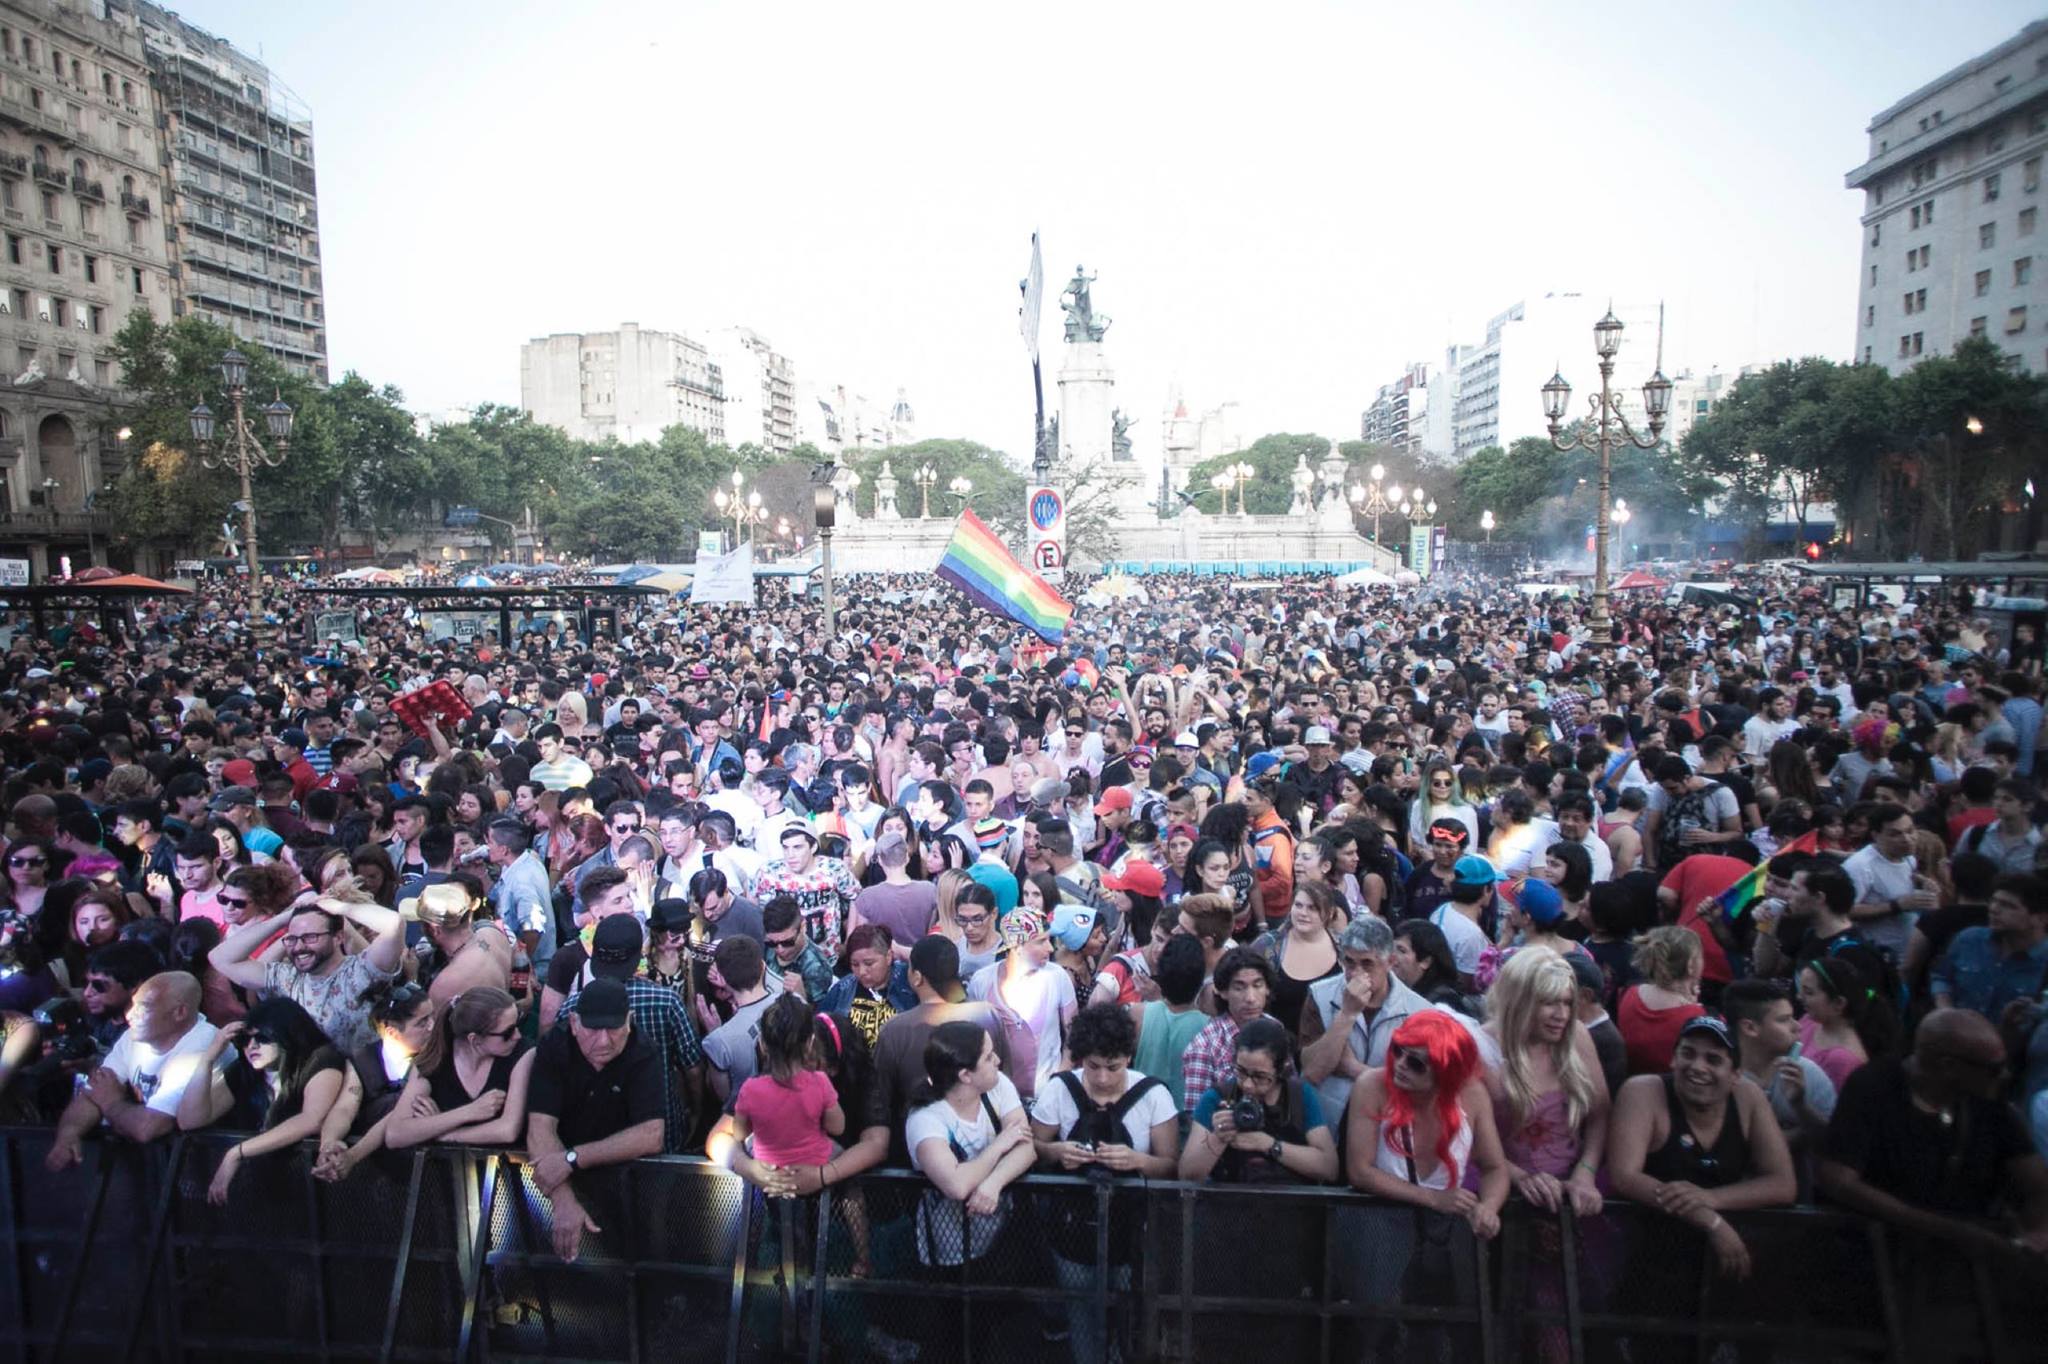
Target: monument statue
x,y
1052,435
1120,436
1303,481
1082,323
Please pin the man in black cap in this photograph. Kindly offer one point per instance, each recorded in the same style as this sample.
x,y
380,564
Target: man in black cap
x,y
595,1099
659,1020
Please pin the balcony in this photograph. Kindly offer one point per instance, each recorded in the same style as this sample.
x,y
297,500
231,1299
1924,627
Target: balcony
x,y
50,175
134,205
14,164
89,189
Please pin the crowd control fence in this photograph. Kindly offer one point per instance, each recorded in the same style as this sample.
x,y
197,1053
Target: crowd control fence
x,y
446,1253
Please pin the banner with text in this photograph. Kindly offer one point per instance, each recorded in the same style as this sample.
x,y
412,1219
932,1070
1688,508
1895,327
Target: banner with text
x,y
726,579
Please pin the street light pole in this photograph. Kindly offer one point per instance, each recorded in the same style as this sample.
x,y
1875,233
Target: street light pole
x,y
1609,431
246,452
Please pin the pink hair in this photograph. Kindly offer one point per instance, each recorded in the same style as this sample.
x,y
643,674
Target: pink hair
x,y
1453,1061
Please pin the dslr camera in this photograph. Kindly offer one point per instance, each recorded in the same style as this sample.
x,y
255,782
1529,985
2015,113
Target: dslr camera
x,y
1247,1114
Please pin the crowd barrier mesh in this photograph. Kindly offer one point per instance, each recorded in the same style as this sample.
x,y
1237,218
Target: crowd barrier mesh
x,y
447,1253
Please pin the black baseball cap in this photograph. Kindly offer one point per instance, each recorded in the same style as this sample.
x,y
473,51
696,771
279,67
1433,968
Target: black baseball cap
x,y
602,1003
616,946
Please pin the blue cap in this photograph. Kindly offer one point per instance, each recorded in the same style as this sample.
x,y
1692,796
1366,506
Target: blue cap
x,y
1073,925
1471,870
1259,764
1541,902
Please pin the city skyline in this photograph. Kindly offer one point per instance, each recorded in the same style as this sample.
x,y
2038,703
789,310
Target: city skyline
x,y
1280,222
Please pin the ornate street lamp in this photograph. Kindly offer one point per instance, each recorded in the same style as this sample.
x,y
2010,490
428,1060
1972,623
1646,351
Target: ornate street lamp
x,y
1487,523
1606,431
924,478
245,453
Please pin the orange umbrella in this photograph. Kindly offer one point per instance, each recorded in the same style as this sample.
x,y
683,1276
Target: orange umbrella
x,y
132,582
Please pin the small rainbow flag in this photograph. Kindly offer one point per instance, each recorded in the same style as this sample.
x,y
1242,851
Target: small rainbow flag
x,y
977,564
1736,900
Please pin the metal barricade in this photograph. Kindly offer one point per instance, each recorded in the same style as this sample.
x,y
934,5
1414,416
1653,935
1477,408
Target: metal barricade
x,y
446,1253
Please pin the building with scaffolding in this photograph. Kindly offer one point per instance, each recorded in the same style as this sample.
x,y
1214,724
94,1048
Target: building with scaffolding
x,y
243,222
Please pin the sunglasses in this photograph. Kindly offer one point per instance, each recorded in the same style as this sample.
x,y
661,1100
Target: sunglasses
x,y
263,1038
238,902
1413,1059
787,940
503,1034
27,861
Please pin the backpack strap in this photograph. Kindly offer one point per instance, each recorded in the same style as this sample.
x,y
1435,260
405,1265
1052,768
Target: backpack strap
x,y
1129,1101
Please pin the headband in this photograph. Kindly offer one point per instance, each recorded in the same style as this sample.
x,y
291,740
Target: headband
x,y
832,1026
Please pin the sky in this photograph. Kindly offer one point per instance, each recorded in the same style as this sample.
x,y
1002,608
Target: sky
x,y
1284,204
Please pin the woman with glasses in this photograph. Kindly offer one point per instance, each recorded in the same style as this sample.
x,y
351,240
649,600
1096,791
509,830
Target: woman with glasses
x,y
281,1085
1441,797
474,1068
28,876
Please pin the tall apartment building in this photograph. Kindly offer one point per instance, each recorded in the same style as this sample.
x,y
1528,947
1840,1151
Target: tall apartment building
x,y
80,206
836,419
629,384
1951,212
1413,414
1499,384
236,149
760,390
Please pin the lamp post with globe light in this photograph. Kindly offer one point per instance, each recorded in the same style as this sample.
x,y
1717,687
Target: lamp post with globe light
x,y
1487,523
245,452
1376,499
742,504
1605,431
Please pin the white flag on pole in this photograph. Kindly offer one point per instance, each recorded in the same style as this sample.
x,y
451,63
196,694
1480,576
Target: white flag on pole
x,y
727,578
1034,298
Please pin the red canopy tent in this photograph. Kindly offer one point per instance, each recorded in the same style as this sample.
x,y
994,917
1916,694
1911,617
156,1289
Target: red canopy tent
x,y
1638,581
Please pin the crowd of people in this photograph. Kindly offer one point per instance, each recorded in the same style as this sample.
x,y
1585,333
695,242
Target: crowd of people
x,y
1429,893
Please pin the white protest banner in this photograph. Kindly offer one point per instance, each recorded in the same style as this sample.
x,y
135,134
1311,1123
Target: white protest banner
x,y
725,579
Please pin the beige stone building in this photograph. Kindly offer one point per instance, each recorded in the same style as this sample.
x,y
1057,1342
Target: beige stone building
x,y
629,385
81,209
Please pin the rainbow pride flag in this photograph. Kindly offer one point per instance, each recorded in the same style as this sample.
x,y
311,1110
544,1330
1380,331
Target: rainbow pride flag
x,y
977,564
1736,900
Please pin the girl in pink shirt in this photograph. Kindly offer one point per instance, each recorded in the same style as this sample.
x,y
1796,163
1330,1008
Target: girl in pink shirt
x,y
789,1108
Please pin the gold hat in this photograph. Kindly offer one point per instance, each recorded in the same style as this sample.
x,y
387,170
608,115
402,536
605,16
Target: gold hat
x,y
441,904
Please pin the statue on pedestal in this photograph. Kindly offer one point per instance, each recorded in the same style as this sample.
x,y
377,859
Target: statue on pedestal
x,y
885,494
844,481
1082,323
1120,436
1304,481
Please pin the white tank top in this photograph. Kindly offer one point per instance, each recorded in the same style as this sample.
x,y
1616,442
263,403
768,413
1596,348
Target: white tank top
x,y
1395,1146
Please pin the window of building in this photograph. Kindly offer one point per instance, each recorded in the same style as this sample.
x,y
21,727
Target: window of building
x,y
1876,233
1919,338
2015,320
1991,186
2030,174
1870,314
1906,345
1926,255
60,312
1908,303
7,199
96,317
1866,355
2023,270
28,49
1978,325
53,256
1927,212
135,277
1873,276
1983,283
102,373
1913,217
92,269
1987,235
49,206
1994,141
2026,222
128,94
13,249
1919,300
1912,260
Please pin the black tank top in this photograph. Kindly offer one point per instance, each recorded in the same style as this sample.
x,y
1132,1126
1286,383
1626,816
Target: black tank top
x,y
445,1087
1682,1157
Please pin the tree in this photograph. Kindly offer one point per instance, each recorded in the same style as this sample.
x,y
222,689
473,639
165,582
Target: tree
x,y
1977,427
1270,489
998,496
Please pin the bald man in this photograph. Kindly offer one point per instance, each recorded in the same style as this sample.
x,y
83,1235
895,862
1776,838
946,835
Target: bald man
x,y
1927,1143
136,1091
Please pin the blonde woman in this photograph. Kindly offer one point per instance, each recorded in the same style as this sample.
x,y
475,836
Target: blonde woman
x,y
1945,754
1650,1015
1543,1074
950,883
1440,797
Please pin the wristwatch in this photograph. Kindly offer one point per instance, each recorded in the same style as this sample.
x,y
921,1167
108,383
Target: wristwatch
x,y
569,1157
1274,1153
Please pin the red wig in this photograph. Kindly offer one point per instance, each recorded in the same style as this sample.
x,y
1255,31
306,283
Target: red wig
x,y
1453,1061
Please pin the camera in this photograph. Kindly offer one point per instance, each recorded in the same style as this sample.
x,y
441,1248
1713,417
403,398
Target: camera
x,y
1247,1114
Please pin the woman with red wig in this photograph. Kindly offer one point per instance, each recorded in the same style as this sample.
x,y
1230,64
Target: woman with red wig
x,y
1418,1127
1422,1121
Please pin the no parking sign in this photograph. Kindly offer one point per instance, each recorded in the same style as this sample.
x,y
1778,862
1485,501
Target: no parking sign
x,y
1045,519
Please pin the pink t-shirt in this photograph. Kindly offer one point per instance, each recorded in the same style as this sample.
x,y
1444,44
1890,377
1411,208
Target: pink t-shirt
x,y
204,906
786,1119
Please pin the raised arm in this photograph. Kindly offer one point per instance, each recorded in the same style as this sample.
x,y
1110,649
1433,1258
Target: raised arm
x,y
231,957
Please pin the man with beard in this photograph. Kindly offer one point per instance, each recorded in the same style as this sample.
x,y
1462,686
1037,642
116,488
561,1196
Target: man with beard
x,y
314,973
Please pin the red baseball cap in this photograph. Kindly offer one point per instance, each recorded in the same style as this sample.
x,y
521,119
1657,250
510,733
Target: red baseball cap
x,y
1115,798
1141,878
240,772
344,782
